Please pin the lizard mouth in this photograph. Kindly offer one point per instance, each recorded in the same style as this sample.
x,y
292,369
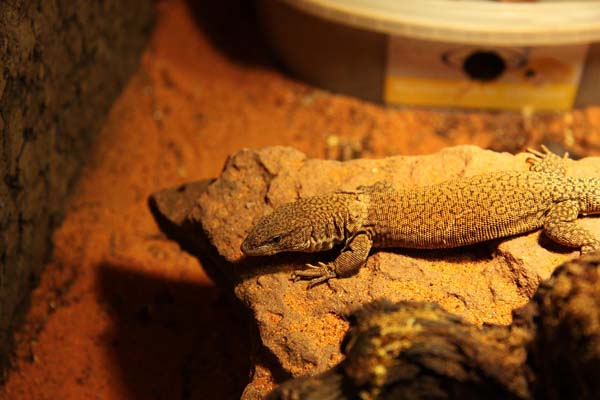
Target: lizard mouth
x,y
246,248
250,250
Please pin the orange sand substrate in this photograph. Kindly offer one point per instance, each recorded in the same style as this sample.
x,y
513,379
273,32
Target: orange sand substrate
x,y
123,313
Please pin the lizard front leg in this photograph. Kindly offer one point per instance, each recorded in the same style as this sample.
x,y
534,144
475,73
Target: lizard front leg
x,y
353,256
560,225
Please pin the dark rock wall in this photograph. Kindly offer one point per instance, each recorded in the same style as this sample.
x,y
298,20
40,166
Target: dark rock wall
x,y
62,63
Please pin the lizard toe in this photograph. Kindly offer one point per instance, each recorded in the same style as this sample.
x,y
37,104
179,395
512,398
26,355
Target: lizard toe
x,y
316,274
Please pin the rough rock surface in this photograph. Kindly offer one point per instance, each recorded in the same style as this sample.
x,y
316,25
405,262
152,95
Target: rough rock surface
x,y
62,63
303,329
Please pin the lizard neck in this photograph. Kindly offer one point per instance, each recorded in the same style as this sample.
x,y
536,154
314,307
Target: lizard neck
x,y
336,218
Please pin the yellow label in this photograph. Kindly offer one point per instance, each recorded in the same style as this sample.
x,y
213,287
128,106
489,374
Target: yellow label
x,y
438,92
448,75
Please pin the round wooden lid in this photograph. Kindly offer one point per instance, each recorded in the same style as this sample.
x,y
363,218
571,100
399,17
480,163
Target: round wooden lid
x,y
467,21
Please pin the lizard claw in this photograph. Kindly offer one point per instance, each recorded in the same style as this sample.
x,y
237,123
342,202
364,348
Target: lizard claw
x,y
537,153
319,266
316,274
537,156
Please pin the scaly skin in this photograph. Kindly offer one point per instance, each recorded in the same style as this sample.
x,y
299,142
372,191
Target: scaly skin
x,y
454,213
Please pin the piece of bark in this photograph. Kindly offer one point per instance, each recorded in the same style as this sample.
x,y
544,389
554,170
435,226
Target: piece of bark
x,y
565,314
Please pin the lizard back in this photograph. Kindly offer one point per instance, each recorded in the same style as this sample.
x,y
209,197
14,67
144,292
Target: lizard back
x,y
466,210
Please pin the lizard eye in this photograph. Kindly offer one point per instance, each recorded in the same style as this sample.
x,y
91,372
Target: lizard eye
x,y
276,239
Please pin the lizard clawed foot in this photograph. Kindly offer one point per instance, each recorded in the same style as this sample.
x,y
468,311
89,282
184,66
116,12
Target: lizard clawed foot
x,y
537,155
546,161
316,274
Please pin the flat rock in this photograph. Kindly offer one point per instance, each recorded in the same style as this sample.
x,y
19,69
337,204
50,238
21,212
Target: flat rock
x,y
303,328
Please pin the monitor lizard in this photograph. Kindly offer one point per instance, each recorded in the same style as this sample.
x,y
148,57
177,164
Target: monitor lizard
x,y
453,213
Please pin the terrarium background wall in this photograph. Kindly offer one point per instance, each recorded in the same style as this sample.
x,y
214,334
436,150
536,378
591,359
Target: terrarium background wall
x,y
62,63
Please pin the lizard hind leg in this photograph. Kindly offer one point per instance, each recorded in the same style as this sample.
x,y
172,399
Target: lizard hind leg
x,y
560,225
547,162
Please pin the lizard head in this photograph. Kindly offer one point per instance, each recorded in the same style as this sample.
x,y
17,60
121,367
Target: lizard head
x,y
286,229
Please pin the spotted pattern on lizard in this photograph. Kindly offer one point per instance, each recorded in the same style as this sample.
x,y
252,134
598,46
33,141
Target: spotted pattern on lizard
x,y
454,213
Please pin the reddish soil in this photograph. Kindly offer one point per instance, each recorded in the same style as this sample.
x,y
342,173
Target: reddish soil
x,y
120,311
